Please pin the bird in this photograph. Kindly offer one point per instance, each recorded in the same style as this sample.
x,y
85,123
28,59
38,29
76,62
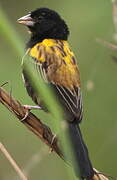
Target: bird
x,y
48,47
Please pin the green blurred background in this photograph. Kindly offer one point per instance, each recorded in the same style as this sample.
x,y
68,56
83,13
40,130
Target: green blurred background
x,y
87,21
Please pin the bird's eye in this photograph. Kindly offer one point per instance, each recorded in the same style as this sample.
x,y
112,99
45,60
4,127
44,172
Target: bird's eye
x,y
43,13
40,17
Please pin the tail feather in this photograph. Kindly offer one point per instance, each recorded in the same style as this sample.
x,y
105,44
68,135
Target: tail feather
x,y
80,151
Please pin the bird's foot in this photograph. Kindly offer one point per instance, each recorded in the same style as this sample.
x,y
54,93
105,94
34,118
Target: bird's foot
x,y
28,108
53,140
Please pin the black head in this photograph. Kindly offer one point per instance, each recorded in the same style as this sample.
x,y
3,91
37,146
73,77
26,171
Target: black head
x,y
44,23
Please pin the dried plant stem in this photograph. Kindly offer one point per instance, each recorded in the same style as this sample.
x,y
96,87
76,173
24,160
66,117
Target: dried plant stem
x,y
12,162
34,124
31,122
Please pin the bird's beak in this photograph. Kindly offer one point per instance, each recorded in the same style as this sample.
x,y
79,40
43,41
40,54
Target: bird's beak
x,y
26,20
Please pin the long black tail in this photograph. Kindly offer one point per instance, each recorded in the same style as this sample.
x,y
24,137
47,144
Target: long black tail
x,y
80,152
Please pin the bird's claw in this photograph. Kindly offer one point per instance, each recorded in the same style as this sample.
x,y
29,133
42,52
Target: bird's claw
x,y
28,108
53,140
26,115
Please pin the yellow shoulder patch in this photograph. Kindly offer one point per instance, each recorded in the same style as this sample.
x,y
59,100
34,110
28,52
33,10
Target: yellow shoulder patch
x,y
40,49
58,56
58,48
